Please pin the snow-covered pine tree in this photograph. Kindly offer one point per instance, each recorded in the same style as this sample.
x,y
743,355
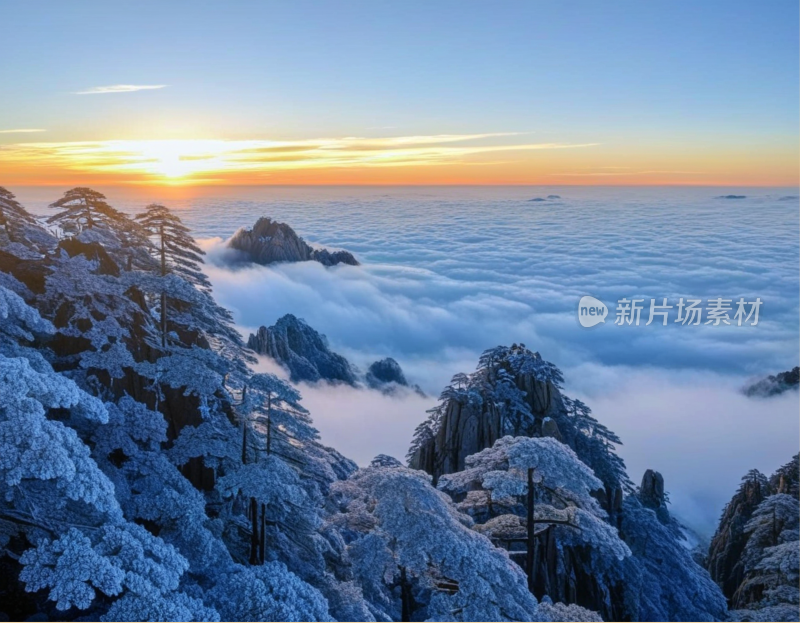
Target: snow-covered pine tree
x,y
569,525
106,345
665,583
55,496
85,214
176,252
413,555
23,242
594,443
83,208
786,478
175,247
771,560
14,219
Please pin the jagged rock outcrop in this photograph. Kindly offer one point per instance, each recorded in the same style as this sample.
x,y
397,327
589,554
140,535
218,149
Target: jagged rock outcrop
x,y
270,241
725,552
387,376
514,394
470,422
753,555
305,353
775,384
550,429
651,492
302,351
385,371
652,495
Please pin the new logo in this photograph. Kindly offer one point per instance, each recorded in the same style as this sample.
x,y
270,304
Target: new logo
x,y
591,311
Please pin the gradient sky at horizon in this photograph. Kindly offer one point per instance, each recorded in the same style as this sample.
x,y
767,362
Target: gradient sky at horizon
x,y
400,93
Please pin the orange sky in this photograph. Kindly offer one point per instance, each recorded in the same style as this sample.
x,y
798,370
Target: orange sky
x,y
504,158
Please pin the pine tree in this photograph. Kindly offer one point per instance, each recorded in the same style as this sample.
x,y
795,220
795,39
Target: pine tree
x,y
13,217
83,208
175,248
176,252
411,552
86,215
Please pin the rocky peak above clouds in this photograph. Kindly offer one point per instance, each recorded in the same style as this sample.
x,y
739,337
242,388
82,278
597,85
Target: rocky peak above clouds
x,y
270,241
775,384
306,354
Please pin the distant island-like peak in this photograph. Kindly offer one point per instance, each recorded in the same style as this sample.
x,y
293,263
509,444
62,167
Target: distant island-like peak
x,y
270,241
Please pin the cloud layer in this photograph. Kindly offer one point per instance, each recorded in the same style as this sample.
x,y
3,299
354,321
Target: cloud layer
x,y
120,88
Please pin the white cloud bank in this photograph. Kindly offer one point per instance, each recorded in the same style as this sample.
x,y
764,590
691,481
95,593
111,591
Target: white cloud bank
x,y
449,273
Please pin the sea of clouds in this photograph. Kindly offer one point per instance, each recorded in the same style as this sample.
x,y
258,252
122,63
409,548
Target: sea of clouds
x,y
447,273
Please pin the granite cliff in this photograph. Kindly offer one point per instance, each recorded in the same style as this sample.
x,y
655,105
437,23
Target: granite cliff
x,y
306,354
270,241
302,351
753,556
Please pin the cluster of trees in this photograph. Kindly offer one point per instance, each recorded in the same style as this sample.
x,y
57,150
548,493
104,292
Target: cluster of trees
x,y
548,486
755,554
147,473
516,392
129,433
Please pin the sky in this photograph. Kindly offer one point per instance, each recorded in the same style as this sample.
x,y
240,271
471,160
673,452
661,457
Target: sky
x,y
445,92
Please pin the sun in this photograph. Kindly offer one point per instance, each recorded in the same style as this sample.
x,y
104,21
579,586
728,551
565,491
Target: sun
x,y
174,160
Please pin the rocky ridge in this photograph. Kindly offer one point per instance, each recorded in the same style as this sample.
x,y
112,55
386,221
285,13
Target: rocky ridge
x,y
775,384
753,554
270,241
306,354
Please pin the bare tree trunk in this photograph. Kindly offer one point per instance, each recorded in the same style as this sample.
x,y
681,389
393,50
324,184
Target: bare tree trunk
x,y
163,292
253,532
163,319
529,568
405,596
244,442
269,436
244,427
263,531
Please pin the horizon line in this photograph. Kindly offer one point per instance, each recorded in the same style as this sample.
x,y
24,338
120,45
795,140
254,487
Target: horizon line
x,y
389,185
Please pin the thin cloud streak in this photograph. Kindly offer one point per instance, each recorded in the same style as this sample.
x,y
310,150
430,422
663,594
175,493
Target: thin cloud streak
x,y
120,88
22,131
193,159
624,173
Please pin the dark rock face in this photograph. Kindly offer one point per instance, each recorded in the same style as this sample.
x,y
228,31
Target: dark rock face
x,y
467,428
744,557
385,371
775,384
92,251
550,429
725,564
652,489
270,241
303,351
387,376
